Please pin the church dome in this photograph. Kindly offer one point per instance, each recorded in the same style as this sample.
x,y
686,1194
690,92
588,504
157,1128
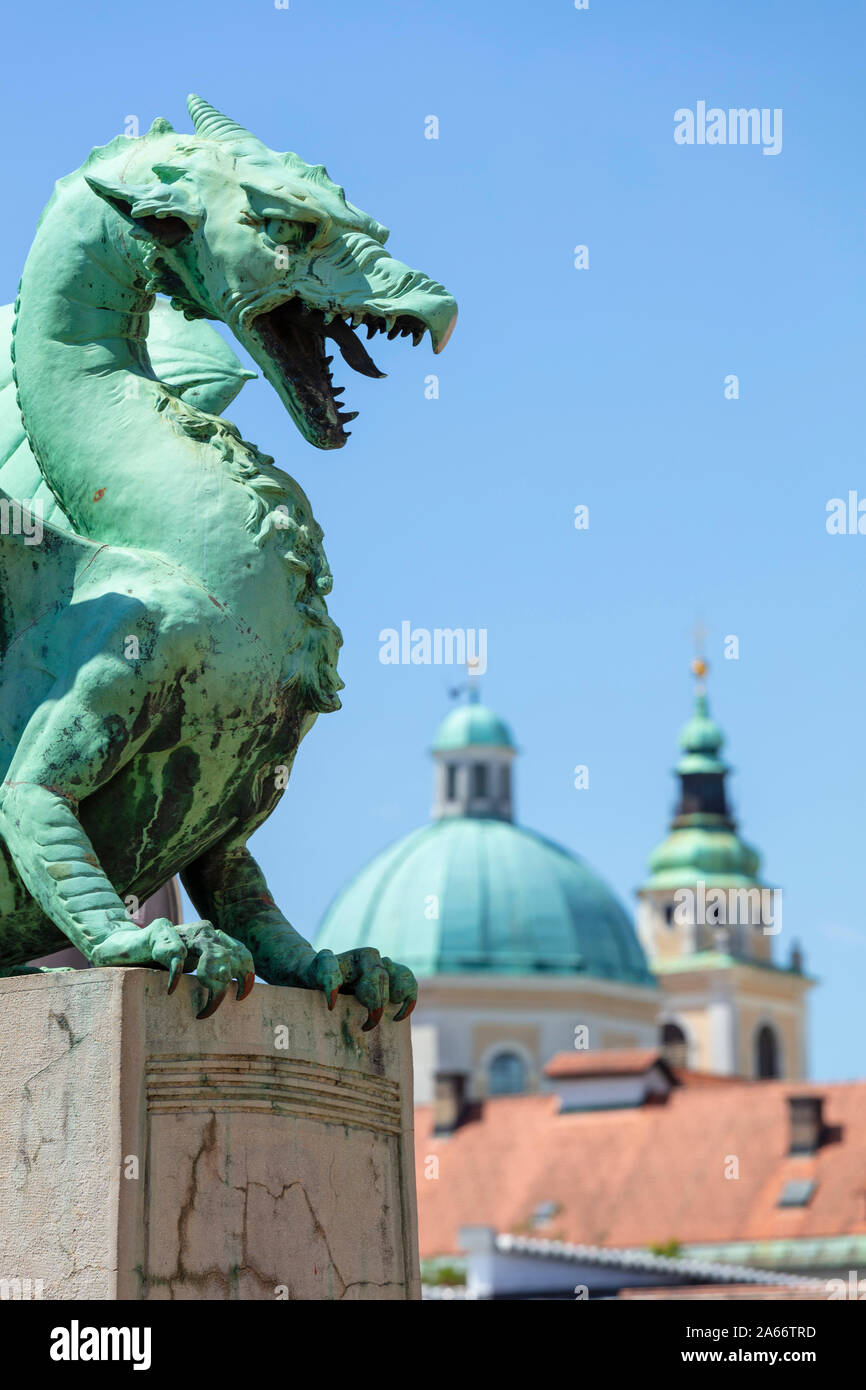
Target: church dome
x,y
472,725
485,895
473,892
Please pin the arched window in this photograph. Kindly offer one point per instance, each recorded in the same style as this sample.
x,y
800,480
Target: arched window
x,y
766,1053
674,1045
507,1075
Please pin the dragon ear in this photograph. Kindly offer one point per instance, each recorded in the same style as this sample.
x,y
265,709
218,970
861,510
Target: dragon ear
x,y
167,209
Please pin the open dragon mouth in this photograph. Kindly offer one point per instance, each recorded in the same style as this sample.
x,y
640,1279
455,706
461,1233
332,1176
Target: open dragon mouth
x,y
293,340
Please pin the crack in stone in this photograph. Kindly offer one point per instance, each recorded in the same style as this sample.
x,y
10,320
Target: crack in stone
x,y
317,1225
207,1146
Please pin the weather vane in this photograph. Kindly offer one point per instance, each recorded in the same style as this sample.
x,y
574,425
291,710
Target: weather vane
x,y
469,687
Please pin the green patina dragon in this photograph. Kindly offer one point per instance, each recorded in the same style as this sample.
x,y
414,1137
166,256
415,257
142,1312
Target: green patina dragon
x,y
167,645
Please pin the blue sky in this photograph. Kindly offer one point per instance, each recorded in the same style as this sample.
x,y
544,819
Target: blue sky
x,y
602,386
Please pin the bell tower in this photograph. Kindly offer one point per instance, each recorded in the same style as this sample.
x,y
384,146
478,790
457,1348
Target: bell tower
x,y
707,922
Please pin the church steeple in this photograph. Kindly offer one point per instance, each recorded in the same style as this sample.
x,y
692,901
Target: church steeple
x,y
703,796
703,844
473,752
706,921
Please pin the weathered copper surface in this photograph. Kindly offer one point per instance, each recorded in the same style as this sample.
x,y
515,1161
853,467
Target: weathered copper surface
x,y
165,639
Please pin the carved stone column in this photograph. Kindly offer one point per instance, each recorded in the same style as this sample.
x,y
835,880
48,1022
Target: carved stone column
x,y
263,1153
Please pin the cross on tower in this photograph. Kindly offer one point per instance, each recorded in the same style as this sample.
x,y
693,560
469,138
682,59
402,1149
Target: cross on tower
x,y
700,665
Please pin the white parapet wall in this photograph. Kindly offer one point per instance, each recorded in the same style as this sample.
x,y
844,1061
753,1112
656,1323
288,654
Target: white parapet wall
x,y
263,1153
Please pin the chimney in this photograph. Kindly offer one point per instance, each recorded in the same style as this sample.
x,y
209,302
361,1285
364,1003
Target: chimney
x,y
449,1098
805,1124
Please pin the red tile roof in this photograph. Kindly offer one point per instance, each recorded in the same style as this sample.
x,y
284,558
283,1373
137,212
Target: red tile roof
x,y
646,1175
630,1061
685,1077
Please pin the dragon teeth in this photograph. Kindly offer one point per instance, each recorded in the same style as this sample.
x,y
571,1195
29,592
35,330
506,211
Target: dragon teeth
x,y
376,323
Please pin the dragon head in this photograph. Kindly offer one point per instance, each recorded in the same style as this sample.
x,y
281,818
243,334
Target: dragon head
x,y
269,245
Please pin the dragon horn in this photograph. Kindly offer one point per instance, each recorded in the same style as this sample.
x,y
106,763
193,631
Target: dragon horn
x,y
213,125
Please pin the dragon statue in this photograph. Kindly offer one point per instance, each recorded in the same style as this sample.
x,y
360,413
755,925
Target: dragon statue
x,y
166,645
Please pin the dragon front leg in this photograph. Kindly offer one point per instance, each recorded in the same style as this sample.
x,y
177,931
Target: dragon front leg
x,y
64,754
227,885
58,865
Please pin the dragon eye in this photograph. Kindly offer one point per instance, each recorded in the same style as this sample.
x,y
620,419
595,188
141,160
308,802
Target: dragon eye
x,y
284,232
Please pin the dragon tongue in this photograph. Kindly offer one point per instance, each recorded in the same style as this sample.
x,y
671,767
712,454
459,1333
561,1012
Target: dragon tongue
x,y
351,348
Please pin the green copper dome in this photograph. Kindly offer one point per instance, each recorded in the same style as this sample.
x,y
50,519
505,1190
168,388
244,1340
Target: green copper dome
x,y
468,894
470,726
714,854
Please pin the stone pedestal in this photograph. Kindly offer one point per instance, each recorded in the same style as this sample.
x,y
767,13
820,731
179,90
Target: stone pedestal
x,y
263,1153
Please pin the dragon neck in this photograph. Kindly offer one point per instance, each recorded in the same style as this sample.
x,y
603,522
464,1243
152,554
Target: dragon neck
x,y
129,462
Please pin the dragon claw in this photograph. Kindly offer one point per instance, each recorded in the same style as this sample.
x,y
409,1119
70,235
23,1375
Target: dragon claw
x,y
174,973
245,984
373,1018
405,1010
214,999
332,998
